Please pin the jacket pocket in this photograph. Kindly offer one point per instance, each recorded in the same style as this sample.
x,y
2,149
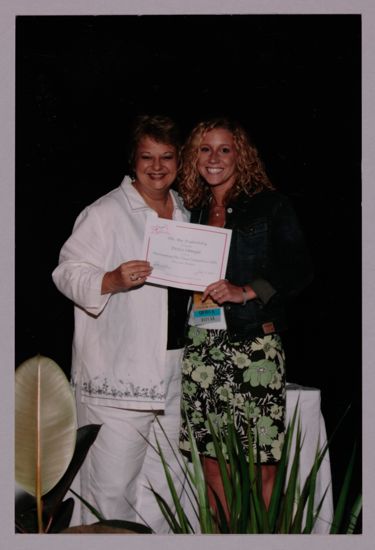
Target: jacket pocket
x,y
248,250
254,228
251,244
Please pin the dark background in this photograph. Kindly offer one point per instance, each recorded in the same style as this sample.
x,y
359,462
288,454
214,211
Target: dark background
x,y
294,81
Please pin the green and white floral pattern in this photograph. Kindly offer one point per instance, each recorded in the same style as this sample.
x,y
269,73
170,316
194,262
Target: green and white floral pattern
x,y
248,376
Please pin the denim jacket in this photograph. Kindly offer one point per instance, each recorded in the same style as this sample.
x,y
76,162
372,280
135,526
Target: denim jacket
x,y
268,252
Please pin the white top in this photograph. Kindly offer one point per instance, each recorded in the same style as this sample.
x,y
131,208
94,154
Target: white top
x,y
120,339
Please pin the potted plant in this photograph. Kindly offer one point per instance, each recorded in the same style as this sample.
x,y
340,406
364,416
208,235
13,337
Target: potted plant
x,y
49,451
291,510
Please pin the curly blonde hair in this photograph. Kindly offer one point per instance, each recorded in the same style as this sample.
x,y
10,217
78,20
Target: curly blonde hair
x,y
251,175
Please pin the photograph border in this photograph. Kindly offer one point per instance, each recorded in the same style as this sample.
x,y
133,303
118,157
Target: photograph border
x,y
8,11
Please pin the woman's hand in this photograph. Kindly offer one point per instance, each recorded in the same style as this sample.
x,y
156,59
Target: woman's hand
x,y
126,276
223,291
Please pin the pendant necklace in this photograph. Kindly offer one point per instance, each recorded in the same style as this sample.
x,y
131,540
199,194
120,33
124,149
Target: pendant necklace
x,y
217,213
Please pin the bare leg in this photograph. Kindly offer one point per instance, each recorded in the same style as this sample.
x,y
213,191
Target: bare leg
x,y
215,485
268,472
212,476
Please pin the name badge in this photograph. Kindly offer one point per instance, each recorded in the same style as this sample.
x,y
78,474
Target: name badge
x,y
205,312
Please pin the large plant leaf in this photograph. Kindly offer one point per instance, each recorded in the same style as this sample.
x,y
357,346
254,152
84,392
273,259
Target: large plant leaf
x,y
86,436
53,511
27,520
45,422
61,520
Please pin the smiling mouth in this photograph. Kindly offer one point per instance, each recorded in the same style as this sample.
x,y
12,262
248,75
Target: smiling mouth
x,y
214,170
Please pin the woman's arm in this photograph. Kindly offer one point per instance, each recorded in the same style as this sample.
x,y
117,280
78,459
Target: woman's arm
x,y
289,268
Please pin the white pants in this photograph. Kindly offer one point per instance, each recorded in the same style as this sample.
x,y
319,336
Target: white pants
x,y
121,465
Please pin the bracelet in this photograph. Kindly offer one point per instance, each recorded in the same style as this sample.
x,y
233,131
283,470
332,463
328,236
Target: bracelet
x,y
245,298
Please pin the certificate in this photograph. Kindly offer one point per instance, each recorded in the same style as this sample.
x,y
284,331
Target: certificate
x,y
185,255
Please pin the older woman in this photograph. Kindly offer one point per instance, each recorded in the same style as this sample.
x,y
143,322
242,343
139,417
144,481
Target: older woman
x,y
238,358
128,336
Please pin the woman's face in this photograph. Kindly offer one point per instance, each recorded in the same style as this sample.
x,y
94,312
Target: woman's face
x,y
155,166
217,158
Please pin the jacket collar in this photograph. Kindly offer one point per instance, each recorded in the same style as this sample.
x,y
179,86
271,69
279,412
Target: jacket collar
x,y
134,199
137,202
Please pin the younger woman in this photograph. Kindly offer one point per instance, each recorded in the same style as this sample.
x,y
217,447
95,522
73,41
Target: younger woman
x,y
238,358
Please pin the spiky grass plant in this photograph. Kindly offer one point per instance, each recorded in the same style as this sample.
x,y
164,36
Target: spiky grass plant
x,y
292,510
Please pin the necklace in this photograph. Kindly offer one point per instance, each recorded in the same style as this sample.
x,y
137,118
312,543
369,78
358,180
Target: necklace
x,y
217,210
216,214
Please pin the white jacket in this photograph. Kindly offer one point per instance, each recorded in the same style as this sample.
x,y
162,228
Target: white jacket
x,y
120,340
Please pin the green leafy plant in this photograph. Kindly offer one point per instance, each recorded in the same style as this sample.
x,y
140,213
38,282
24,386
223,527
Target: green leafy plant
x,y
45,424
292,510
49,450
56,512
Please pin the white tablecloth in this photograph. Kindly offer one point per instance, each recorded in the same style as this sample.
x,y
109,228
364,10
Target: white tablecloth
x,y
313,434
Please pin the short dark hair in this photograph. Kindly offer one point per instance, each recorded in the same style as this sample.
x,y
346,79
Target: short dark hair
x,y
158,127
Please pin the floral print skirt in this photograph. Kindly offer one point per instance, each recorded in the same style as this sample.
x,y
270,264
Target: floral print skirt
x,y
246,378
